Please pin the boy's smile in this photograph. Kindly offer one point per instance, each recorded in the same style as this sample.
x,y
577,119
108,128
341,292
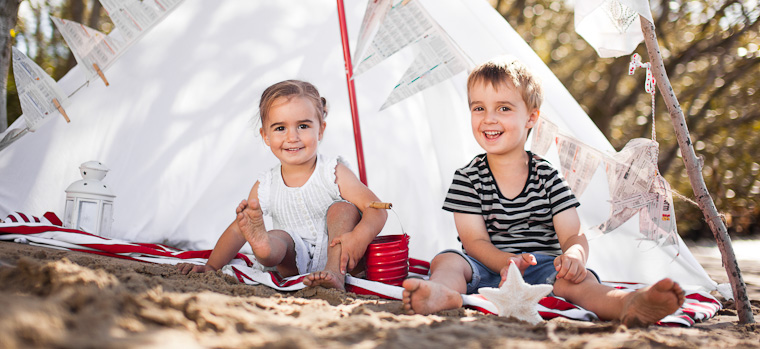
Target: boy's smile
x,y
500,118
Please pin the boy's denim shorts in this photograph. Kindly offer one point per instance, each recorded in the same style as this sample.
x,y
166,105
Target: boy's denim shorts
x,y
541,273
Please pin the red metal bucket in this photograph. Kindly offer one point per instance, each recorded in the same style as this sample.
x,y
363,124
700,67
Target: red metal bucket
x,y
387,259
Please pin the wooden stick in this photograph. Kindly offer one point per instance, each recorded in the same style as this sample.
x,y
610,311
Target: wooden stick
x,y
60,110
381,205
100,73
694,169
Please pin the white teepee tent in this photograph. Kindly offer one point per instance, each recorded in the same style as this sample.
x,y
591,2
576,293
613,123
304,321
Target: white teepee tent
x,y
176,127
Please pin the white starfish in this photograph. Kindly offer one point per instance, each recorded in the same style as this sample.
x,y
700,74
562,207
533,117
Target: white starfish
x,y
515,298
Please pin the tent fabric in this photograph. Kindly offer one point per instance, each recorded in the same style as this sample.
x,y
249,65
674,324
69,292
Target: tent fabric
x,y
699,306
177,129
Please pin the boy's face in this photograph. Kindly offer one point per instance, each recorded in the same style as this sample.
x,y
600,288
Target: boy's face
x,y
500,118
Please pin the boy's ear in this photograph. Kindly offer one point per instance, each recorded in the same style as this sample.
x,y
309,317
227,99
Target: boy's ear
x,y
533,118
264,136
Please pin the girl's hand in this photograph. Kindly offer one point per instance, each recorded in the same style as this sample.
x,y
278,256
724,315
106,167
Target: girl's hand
x,y
351,251
570,267
186,268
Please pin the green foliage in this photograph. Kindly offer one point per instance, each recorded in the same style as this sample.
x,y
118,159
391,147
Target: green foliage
x,y
710,52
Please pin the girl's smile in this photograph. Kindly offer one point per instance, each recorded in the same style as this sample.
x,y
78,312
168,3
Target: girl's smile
x,y
292,130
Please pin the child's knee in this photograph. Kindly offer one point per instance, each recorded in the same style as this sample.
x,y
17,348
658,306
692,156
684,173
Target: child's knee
x,y
343,209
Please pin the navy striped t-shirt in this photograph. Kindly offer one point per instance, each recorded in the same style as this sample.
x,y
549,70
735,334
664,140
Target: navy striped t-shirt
x,y
520,225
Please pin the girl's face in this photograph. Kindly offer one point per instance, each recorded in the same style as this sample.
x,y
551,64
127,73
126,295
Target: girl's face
x,y
292,130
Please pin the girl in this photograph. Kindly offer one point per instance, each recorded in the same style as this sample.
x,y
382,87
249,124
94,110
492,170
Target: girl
x,y
312,199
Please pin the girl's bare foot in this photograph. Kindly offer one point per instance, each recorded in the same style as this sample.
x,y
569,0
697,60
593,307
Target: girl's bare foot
x,y
327,279
250,220
426,297
648,305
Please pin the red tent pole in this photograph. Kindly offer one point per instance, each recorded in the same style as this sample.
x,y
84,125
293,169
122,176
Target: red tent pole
x,y
352,92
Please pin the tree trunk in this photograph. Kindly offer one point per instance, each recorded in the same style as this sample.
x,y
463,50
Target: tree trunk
x,y
8,17
706,204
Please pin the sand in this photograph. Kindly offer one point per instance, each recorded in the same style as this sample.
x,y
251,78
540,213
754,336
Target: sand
x,y
52,298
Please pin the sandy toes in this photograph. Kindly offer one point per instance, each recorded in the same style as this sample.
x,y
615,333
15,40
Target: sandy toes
x,y
426,297
326,279
648,305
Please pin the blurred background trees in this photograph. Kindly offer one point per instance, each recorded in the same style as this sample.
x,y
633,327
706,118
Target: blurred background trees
x,y
710,49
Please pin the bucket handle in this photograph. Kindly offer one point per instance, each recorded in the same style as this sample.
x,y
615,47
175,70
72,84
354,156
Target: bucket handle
x,y
389,206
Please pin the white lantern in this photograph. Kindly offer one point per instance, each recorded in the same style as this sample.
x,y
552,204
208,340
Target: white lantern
x,y
89,202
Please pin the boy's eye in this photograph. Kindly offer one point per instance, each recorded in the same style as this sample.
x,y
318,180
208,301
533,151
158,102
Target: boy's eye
x,y
477,109
303,126
279,128
504,109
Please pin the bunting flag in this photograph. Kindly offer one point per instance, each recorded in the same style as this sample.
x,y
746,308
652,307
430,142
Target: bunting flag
x,y
406,22
92,49
578,162
630,175
39,94
397,26
544,134
611,27
437,61
134,17
373,17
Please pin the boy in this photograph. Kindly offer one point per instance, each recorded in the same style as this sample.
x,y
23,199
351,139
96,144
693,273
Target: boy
x,y
511,206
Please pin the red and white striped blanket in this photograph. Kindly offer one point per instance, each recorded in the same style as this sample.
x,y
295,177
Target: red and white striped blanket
x,y
48,232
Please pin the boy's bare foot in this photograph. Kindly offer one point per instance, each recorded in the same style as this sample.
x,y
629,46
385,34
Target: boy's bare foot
x,y
427,297
648,305
250,220
327,279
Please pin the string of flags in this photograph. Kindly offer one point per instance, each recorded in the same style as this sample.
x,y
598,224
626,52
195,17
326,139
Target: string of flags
x,y
635,184
40,96
395,24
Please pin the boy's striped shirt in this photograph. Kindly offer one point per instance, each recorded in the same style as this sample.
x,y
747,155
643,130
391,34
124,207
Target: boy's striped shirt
x,y
519,225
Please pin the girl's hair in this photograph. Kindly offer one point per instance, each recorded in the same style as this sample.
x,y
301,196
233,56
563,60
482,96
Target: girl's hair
x,y
505,69
289,89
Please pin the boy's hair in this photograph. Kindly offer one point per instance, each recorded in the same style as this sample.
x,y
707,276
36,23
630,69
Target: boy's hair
x,y
501,70
289,89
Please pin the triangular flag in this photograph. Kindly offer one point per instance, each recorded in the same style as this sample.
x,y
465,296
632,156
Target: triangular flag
x,y
578,162
544,135
373,17
38,93
92,49
437,61
135,17
404,24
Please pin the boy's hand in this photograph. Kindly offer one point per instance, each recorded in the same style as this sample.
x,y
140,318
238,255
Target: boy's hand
x,y
570,268
523,261
186,268
351,251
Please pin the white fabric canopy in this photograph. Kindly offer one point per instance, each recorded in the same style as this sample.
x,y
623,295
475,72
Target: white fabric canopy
x,y
176,127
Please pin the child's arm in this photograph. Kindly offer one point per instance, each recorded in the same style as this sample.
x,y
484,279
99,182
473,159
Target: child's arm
x,y
476,241
226,248
354,243
571,265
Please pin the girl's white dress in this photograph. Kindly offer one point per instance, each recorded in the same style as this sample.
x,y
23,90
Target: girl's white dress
x,y
302,211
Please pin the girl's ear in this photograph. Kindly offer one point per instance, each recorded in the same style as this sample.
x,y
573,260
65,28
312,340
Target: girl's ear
x,y
322,129
264,136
